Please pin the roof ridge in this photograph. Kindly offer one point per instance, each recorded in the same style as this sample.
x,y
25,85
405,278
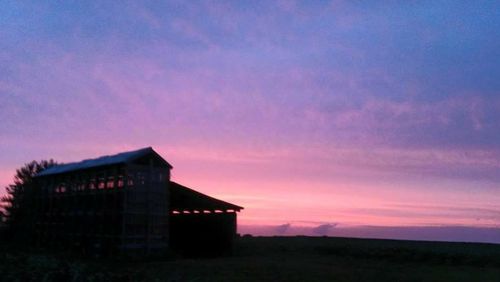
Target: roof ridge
x,y
206,196
121,157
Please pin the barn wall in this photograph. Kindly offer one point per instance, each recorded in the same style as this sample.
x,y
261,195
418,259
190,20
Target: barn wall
x,y
145,213
202,234
80,210
109,210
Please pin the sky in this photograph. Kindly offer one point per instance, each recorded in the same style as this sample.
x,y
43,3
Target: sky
x,y
340,118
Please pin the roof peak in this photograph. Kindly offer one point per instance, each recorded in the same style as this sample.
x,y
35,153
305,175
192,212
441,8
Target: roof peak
x,y
105,160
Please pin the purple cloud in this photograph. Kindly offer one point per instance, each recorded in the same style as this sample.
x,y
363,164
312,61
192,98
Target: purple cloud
x,y
282,229
323,229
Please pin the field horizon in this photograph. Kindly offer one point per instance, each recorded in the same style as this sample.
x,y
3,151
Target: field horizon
x,y
276,258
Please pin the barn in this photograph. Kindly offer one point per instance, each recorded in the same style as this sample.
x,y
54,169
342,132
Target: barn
x,y
127,204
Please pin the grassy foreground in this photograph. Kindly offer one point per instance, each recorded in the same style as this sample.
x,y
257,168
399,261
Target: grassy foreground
x,y
277,259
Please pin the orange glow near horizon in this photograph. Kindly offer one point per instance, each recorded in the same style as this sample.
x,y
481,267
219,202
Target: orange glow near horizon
x,y
350,205
281,188
283,194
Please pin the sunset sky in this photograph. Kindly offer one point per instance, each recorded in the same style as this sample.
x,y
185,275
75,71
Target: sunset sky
x,y
319,117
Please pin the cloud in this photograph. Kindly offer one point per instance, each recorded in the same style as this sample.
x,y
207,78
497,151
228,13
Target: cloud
x,y
282,229
462,120
323,229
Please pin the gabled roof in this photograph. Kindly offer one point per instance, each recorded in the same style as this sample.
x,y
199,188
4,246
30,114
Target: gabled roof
x,y
184,198
124,157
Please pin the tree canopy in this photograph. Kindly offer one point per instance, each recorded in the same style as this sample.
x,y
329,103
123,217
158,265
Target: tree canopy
x,y
16,203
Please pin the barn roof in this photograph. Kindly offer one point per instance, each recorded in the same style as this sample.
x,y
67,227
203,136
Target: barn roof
x,y
184,198
124,157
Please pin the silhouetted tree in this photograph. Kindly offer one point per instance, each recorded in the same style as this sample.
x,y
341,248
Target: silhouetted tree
x,y
2,216
16,204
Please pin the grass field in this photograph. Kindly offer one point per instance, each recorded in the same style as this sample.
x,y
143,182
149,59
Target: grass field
x,y
277,259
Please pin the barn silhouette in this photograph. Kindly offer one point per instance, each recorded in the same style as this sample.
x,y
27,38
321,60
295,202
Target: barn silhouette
x,y
127,204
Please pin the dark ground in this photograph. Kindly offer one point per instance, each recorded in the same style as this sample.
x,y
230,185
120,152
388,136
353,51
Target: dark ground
x,y
275,259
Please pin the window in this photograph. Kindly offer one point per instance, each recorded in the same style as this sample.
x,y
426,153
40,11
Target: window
x,y
101,183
